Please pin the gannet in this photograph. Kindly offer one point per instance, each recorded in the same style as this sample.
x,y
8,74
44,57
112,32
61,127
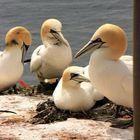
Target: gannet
x,y
17,41
50,59
74,91
111,75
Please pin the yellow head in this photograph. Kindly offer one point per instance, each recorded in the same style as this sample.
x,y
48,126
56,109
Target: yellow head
x,y
114,37
48,25
73,75
18,36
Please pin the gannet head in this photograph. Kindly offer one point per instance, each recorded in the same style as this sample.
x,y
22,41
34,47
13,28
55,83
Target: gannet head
x,y
51,30
72,76
18,36
110,37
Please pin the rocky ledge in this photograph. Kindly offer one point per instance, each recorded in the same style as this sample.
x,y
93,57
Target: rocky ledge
x,y
17,127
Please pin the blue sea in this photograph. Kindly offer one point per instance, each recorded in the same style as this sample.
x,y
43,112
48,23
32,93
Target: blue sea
x,y
80,20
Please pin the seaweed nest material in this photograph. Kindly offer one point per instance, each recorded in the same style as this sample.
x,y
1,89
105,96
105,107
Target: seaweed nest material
x,y
104,110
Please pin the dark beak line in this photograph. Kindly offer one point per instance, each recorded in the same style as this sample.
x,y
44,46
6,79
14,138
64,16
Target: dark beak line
x,y
55,34
58,36
26,46
27,60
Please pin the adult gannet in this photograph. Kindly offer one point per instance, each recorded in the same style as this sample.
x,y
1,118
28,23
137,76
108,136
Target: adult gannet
x,y
50,59
74,91
17,41
110,75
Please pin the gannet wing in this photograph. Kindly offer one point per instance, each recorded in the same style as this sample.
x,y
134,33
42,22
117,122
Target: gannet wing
x,y
36,60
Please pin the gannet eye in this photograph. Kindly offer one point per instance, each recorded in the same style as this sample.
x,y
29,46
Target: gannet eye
x,y
14,42
73,75
53,31
99,40
17,33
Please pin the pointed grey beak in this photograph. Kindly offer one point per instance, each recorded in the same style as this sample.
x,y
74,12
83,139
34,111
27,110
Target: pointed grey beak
x,y
24,50
90,46
58,36
79,78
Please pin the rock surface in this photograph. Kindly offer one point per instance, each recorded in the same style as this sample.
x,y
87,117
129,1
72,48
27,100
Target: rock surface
x,y
16,127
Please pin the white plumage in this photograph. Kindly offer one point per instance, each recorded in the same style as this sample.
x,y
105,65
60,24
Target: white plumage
x,y
74,91
110,73
50,59
17,41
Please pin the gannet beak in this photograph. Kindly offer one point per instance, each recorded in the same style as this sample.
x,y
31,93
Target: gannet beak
x,y
79,78
58,36
90,46
24,50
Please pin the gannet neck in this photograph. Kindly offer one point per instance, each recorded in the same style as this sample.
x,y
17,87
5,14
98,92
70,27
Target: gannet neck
x,y
107,53
12,49
70,84
13,54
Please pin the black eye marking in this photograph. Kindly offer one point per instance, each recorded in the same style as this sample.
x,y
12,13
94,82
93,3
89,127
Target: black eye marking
x,y
14,42
17,33
98,40
73,75
53,31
